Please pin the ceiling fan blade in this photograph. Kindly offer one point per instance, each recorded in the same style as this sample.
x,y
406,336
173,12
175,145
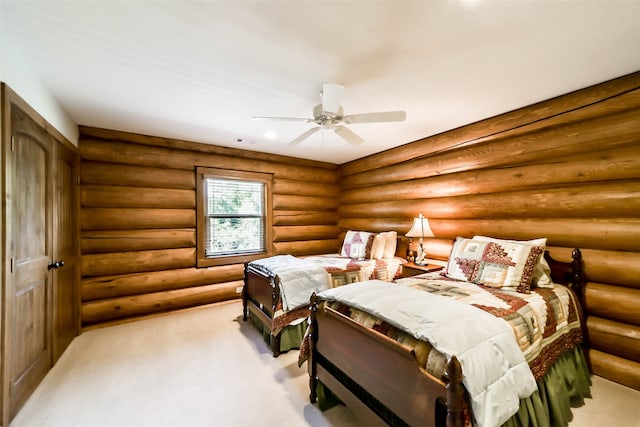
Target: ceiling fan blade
x,y
305,135
348,135
383,116
331,97
288,119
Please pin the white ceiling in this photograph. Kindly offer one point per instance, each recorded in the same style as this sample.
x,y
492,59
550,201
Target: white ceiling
x,y
199,71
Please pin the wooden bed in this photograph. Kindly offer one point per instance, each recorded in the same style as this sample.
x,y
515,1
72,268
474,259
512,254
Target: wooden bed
x,y
355,363
261,295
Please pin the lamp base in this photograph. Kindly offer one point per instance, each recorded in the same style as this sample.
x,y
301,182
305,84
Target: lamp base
x,y
420,257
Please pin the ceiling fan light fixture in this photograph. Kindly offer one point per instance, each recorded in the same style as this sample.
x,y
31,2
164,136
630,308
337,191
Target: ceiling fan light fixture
x,y
330,115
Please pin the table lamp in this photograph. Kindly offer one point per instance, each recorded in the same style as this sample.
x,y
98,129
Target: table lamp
x,y
421,229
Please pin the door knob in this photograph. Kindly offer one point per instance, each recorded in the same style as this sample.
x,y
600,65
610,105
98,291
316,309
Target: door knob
x,y
56,264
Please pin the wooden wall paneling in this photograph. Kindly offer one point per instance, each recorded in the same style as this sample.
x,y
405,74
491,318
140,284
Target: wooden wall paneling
x,y
94,196
604,132
304,232
614,199
378,225
613,302
618,369
309,203
299,217
602,165
158,302
101,287
574,101
139,223
615,267
613,337
304,188
311,247
158,157
136,240
594,233
136,176
202,149
136,218
105,264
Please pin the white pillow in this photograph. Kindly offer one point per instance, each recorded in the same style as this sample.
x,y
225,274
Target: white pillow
x,y
390,244
377,249
541,271
357,245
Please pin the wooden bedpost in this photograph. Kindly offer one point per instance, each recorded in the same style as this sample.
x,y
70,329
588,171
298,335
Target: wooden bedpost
x,y
455,393
313,338
275,298
245,295
576,270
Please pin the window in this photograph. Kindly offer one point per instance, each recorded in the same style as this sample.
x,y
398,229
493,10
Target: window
x,y
234,216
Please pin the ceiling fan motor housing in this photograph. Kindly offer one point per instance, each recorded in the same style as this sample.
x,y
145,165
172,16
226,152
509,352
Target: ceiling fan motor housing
x,y
326,119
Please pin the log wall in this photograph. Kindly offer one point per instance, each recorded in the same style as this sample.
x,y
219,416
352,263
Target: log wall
x,y
138,221
567,169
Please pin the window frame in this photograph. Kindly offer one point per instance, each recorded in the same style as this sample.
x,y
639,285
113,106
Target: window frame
x,y
201,221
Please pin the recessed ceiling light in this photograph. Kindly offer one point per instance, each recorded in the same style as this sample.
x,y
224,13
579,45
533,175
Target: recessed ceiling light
x,y
270,134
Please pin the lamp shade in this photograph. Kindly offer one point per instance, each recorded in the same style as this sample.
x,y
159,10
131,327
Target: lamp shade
x,y
420,228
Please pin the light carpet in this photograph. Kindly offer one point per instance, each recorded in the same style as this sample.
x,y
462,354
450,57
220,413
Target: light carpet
x,y
206,367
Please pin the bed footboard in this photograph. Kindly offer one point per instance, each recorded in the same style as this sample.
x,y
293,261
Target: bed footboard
x,y
260,295
377,377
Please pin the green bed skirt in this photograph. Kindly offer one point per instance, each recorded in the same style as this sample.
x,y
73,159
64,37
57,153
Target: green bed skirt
x,y
290,337
564,386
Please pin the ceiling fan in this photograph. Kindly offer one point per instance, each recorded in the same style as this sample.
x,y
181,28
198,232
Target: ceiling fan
x,y
329,115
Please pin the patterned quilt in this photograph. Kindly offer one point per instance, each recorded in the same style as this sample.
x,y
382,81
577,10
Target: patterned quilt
x,y
545,322
340,271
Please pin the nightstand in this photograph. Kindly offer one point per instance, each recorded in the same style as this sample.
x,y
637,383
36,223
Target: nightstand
x,y
411,269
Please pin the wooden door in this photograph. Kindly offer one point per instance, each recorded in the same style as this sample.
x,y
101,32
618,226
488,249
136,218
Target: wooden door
x,y
28,291
65,274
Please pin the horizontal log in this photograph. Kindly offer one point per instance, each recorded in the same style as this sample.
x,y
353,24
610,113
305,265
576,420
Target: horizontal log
x,y
105,196
304,203
136,240
612,267
209,149
155,281
298,217
435,248
376,225
614,368
602,99
138,305
304,188
159,157
614,234
136,218
291,233
602,165
613,302
619,339
137,262
311,247
611,199
135,176
603,132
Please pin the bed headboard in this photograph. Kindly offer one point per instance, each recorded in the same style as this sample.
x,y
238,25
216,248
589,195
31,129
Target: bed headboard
x,y
568,273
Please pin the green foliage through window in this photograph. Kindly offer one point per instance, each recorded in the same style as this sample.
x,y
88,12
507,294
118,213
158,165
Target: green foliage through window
x,y
235,216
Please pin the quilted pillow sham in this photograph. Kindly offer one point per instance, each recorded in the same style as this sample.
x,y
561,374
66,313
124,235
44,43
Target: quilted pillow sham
x,y
357,245
542,271
505,265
